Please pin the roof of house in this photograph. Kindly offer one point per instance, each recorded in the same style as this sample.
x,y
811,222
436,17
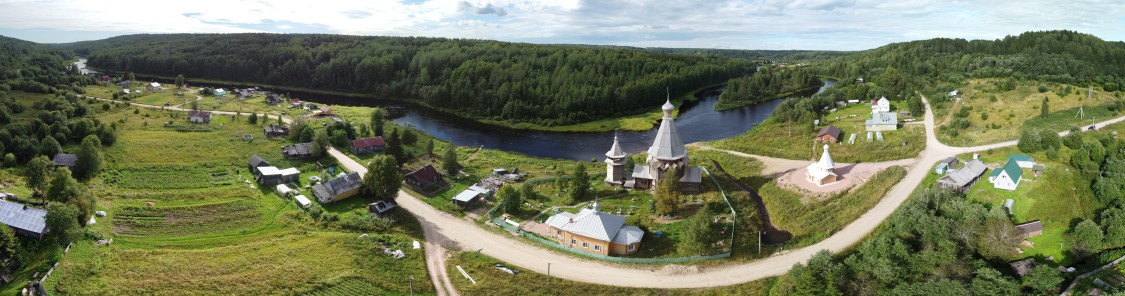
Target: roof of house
x,y
273,128
1020,157
1023,267
258,161
469,194
304,201
368,142
589,223
883,118
1013,169
342,183
382,206
966,174
1030,227
884,101
950,160
283,188
63,159
615,151
831,130
23,217
297,149
692,174
667,145
199,113
629,234
154,84
425,173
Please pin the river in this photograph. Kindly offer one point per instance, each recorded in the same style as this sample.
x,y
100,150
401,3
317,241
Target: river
x,y
697,122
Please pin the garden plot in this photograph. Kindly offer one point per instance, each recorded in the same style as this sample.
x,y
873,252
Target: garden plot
x,y
182,220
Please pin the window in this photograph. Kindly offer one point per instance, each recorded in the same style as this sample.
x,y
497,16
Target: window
x,y
631,247
585,245
572,241
597,248
558,232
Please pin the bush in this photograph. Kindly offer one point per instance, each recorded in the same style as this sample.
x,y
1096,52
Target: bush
x,y
1042,88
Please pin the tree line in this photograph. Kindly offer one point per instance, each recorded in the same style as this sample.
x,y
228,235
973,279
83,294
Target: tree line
x,y
768,83
514,82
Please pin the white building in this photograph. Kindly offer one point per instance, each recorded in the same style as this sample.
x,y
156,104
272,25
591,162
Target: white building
x,y
882,121
667,158
1009,176
882,105
822,172
615,164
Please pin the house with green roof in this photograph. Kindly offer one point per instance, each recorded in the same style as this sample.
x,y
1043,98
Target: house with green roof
x,y
1022,160
1007,177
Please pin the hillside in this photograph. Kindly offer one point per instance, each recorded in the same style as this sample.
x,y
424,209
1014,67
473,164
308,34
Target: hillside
x,y
1051,56
34,67
510,82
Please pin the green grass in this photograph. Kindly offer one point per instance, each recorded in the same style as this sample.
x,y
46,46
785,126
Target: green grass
x,y
1018,109
782,140
811,221
1058,198
492,281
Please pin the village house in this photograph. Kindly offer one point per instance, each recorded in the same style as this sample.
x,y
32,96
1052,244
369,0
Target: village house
x,y
882,121
154,86
297,151
218,92
471,196
273,99
197,116
274,130
382,207
271,175
338,188
667,158
595,232
964,178
822,172
242,93
23,220
256,162
881,105
1007,177
829,134
423,179
69,161
368,145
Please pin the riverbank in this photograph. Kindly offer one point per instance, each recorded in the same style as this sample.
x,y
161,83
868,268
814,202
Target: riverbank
x,y
642,121
731,105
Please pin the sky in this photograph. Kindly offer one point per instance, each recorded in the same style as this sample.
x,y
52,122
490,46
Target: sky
x,y
733,24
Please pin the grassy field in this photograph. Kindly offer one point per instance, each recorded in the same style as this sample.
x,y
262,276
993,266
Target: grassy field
x,y
492,281
782,141
184,221
811,221
1057,198
997,115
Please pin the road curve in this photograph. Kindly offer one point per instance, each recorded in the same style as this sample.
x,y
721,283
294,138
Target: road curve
x,y
448,230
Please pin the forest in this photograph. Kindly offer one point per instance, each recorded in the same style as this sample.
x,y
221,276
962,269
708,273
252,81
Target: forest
x,y
37,68
514,82
1049,56
766,84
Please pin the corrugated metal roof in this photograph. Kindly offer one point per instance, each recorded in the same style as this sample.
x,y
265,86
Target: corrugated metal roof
x,y
667,145
966,174
594,224
23,217
628,235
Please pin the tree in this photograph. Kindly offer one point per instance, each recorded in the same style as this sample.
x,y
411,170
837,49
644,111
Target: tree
x,y
666,197
1044,110
1029,142
1073,140
408,137
377,121
527,191
580,183
989,281
1042,88
296,127
449,162
37,171
62,222
383,179
560,179
998,238
253,118
132,77
49,147
63,187
180,81
1043,279
430,147
319,143
1086,238
818,278
8,243
89,157
511,199
698,232
340,138
394,147
194,104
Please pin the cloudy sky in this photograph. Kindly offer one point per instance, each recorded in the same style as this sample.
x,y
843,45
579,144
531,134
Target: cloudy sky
x,y
742,24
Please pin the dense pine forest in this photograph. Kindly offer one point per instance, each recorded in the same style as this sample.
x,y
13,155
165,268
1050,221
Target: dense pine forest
x,y
767,83
1052,56
515,82
36,68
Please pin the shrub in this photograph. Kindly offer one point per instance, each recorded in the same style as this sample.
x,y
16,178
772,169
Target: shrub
x,y
1042,88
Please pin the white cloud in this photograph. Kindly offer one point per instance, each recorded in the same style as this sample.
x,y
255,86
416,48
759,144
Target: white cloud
x,y
771,24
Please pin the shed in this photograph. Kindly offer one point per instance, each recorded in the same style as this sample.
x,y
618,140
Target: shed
x,y
69,161
303,201
284,190
218,92
1030,229
382,207
941,169
1009,204
470,196
1023,267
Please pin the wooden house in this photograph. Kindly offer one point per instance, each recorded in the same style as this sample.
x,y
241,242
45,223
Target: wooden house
x,y
297,151
337,188
593,231
197,116
274,130
69,161
23,220
368,145
423,179
829,135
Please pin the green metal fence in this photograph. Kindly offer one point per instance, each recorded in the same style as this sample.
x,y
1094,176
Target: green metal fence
x,y
558,246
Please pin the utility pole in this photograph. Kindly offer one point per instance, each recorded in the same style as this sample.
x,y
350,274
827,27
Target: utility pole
x,y
548,274
412,285
760,241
